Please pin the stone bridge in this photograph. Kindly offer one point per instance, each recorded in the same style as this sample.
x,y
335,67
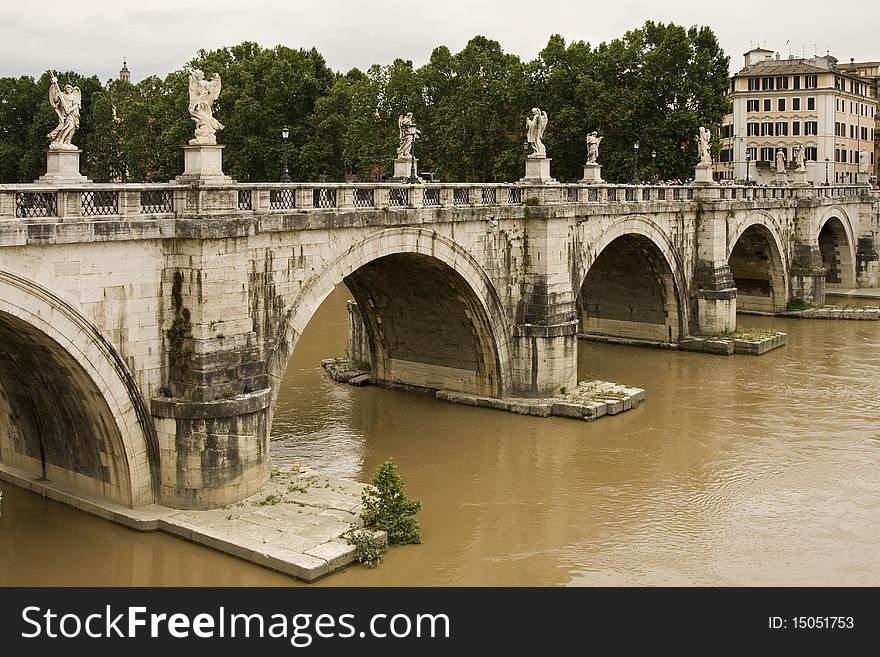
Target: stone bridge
x,y
144,329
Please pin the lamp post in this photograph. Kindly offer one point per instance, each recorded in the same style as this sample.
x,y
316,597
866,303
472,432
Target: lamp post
x,y
413,134
826,170
748,161
635,180
654,165
285,133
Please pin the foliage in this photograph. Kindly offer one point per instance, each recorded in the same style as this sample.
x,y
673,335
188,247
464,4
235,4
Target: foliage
x,y
370,546
178,335
656,84
387,508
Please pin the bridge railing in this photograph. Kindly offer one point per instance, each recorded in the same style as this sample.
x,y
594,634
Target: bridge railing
x,y
100,201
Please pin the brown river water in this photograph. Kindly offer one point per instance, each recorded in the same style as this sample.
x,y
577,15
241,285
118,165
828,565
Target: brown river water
x,y
735,471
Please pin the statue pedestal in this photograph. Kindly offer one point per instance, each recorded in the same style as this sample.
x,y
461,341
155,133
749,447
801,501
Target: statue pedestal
x,y
62,166
203,165
403,167
537,170
780,178
592,173
703,175
863,178
799,177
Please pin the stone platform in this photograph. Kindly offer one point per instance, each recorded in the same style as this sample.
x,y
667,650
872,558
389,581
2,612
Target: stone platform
x,y
734,344
588,401
293,525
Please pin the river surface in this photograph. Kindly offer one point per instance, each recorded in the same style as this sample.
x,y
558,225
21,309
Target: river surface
x,y
735,471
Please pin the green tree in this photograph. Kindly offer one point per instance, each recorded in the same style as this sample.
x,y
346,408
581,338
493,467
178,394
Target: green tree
x,y
478,104
386,506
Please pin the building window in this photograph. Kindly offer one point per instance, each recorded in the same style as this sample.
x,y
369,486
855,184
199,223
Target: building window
x,y
795,104
752,105
812,81
795,128
837,155
865,134
768,104
797,82
752,129
752,153
780,105
811,104
811,153
782,128
754,84
767,129
767,154
811,127
767,84
782,82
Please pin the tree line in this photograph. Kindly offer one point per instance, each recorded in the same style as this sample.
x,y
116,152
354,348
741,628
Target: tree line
x,y
656,85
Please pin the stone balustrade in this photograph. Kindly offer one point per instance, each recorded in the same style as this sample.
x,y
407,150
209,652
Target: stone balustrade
x,y
92,200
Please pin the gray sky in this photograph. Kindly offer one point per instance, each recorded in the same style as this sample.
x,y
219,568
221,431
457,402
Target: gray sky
x,y
158,36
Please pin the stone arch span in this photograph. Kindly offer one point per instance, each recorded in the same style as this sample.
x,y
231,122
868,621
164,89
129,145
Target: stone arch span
x,y
69,408
632,284
432,313
837,246
755,256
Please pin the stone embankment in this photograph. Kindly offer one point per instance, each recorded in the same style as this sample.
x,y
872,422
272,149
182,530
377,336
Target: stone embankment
x,y
835,312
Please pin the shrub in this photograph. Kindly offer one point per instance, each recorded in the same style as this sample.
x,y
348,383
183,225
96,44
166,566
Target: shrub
x,y
387,508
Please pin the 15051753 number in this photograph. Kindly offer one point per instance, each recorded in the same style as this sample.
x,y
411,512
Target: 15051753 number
x,y
822,622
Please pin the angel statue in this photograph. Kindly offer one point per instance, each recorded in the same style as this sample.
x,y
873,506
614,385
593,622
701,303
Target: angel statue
x,y
864,165
703,140
535,130
593,141
408,134
202,94
66,104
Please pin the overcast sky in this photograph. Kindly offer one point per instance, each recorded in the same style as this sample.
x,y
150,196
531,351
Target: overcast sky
x,y
159,36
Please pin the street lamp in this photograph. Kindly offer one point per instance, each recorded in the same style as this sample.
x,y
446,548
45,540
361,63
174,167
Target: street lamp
x,y
413,132
635,180
285,133
748,161
826,170
654,165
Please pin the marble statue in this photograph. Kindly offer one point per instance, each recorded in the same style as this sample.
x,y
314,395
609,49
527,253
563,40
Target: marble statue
x,y
780,161
535,130
202,94
703,140
593,140
408,133
798,155
864,164
66,104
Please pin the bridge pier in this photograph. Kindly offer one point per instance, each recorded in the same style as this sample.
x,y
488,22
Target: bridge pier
x,y
714,299
545,358
807,274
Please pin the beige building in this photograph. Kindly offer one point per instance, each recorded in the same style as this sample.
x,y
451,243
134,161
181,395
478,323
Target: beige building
x,y
830,109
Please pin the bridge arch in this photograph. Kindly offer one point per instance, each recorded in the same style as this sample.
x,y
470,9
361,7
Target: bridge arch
x,y
455,336
837,245
70,411
755,255
631,284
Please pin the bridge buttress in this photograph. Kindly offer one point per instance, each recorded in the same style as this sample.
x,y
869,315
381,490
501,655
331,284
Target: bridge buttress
x,y
545,325
713,293
213,417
